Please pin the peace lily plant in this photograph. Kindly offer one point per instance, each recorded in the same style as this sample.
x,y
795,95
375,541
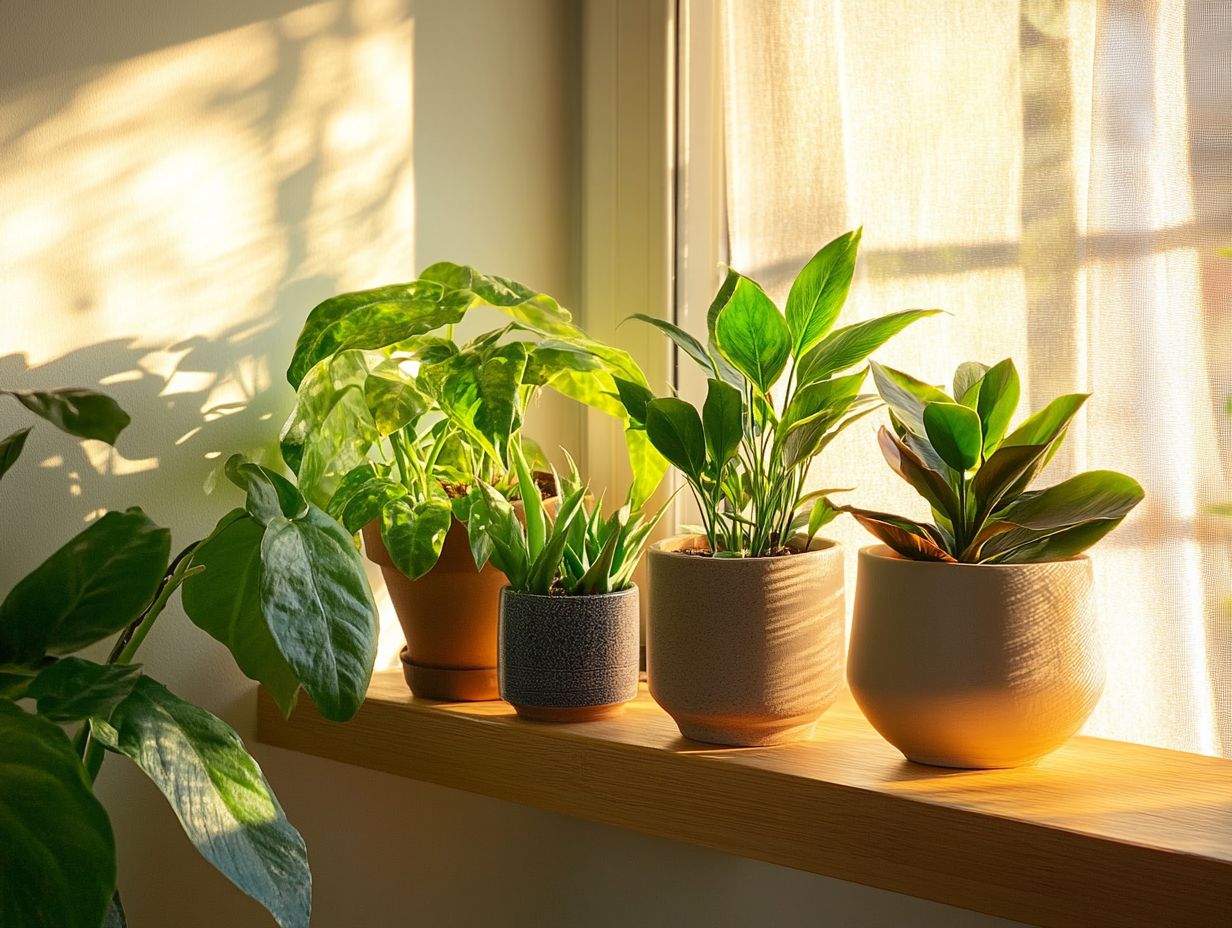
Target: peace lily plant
x,y
974,641
781,385
278,582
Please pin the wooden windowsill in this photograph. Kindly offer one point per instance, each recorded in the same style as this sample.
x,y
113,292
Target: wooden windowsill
x,y
1099,833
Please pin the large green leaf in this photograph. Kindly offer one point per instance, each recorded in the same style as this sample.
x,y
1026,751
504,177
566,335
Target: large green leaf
x,y
351,483
808,437
675,429
11,448
998,398
851,344
905,395
415,534
80,412
219,794
819,291
1026,547
393,400
316,421
367,502
908,538
927,482
1047,424
481,395
73,689
967,379
316,601
1003,469
92,587
224,601
634,397
753,336
722,421
825,398
1095,494
270,495
57,853
954,432
648,464
524,304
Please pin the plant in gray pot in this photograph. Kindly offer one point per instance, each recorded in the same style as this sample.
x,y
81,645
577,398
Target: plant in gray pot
x,y
974,641
745,629
569,618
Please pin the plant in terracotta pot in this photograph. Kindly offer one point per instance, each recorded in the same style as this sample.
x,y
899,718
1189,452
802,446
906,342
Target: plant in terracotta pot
x,y
745,629
569,618
974,641
395,422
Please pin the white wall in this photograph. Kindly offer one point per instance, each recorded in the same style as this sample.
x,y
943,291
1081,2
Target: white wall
x,y
179,184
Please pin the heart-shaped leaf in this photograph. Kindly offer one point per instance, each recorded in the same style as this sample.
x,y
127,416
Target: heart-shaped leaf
x,y
415,534
72,689
819,291
57,853
80,412
954,431
89,589
219,794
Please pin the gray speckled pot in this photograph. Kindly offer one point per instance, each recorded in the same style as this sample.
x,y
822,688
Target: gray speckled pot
x,y
568,658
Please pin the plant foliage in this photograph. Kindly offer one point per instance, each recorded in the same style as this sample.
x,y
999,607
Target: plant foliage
x,y
960,455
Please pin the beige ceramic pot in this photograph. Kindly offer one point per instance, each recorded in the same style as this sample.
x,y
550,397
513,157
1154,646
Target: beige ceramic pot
x,y
745,651
966,665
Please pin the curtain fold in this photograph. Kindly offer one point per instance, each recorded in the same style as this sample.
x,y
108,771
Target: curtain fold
x,y
1057,175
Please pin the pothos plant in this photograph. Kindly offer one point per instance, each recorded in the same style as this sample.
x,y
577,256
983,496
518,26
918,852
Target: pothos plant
x,y
395,421
959,455
779,390
576,552
278,582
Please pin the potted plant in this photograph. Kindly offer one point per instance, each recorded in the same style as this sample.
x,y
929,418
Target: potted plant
x,y
395,422
745,629
569,616
278,582
974,641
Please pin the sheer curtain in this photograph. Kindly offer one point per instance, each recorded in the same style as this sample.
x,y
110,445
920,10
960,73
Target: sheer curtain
x,y
1057,174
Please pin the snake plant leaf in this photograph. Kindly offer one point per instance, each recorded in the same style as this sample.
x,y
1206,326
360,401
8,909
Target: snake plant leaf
x,y
852,344
910,539
317,603
533,512
997,400
414,533
224,601
955,432
819,291
682,340
544,564
494,527
11,448
753,336
218,793
57,852
967,382
905,396
92,587
77,411
722,421
1095,494
930,484
73,689
676,431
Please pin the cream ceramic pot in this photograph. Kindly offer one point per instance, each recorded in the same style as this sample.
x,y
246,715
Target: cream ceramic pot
x,y
745,651
966,665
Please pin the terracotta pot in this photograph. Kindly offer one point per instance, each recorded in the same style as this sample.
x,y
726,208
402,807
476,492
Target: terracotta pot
x,y
745,651
974,665
568,658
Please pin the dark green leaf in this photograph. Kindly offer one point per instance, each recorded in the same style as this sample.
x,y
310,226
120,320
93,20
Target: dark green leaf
x,y
369,501
80,412
998,398
954,431
905,395
1055,546
753,336
634,397
92,587
224,601
219,794
1004,468
819,291
1095,494
851,344
10,449
57,853
316,601
270,495
415,534
927,482
675,429
72,689
722,421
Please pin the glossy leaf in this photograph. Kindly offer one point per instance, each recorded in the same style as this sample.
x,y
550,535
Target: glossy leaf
x,y
967,382
1096,494
902,535
494,528
852,344
1003,469
927,482
57,853
73,689
219,794
352,482
270,495
77,411
954,431
224,601
481,395
809,438
682,340
753,336
316,601
91,588
905,395
829,398
415,533
1059,545
722,421
819,291
676,430
634,397
997,400
11,448
394,401
369,501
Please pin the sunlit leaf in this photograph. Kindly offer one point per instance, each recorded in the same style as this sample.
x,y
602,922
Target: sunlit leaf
x,y
753,336
905,395
819,291
415,533
954,431
852,344
722,421
998,398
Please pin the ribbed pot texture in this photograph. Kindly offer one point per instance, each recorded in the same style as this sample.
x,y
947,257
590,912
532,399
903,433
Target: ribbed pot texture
x,y
975,666
568,658
745,651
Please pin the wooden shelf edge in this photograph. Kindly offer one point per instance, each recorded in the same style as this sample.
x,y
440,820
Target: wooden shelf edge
x,y
1099,834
